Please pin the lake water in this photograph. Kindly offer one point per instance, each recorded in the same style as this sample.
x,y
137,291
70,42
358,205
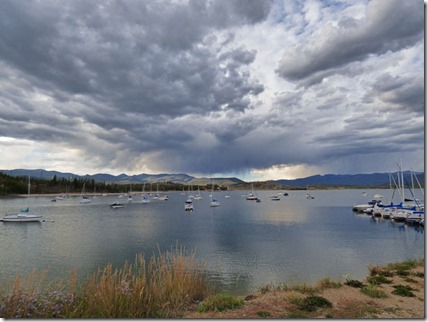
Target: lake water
x,y
243,244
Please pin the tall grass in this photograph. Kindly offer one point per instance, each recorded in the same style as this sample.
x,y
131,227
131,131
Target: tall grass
x,y
163,286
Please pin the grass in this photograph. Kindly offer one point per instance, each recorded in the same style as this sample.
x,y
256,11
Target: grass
x,y
373,291
304,288
378,279
172,285
220,303
162,287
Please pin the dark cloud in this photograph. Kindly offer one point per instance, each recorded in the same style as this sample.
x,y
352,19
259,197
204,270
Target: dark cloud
x,y
191,86
387,26
150,57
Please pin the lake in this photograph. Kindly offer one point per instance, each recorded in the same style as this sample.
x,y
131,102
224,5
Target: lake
x,y
243,244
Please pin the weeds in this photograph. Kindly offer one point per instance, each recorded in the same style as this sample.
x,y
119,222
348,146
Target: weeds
x,y
326,283
161,287
219,303
373,291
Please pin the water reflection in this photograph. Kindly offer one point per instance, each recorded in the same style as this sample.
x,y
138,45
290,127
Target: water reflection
x,y
244,245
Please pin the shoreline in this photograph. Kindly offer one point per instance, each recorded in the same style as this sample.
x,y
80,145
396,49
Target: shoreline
x,y
344,301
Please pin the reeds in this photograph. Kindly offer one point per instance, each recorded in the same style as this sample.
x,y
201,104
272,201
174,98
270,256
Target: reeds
x,y
163,286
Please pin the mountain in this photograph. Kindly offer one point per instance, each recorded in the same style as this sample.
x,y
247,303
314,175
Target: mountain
x,y
219,181
351,180
373,179
122,178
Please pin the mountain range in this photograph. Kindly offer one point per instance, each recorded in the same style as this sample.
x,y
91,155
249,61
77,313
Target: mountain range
x,y
373,179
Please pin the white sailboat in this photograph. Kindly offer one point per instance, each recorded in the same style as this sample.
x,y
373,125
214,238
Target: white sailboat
x,y
198,195
214,202
144,197
251,195
24,215
83,198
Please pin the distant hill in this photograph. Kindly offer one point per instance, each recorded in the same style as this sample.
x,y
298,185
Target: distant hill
x,y
373,179
218,181
332,180
123,178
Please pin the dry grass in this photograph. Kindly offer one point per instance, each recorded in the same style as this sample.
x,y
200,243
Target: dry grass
x,y
162,287
329,299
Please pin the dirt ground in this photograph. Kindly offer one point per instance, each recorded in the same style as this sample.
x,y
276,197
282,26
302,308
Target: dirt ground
x,y
347,302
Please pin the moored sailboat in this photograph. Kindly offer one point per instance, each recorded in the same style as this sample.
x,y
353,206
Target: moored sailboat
x,y
24,215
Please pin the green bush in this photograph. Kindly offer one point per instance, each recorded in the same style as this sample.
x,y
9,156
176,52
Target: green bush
x,y
220,302
354,283
311,303
378,279
403,290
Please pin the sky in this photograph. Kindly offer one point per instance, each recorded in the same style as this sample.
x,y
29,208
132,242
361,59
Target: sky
x,y
255,89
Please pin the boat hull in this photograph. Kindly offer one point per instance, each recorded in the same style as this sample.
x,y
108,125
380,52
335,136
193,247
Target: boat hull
x,y
22,218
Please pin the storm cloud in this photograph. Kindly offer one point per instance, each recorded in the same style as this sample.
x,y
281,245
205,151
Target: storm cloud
x,y
221,87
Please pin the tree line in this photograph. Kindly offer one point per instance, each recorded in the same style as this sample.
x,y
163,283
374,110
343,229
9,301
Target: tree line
x,y
19,185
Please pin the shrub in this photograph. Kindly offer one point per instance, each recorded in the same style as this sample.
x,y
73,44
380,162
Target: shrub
x,y
403,290
420,274
354,283
373,291
311,303
378,279
403,272
220,302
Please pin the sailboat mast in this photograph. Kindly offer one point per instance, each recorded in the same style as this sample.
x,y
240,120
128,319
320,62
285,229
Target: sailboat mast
x,y
402,178
28,192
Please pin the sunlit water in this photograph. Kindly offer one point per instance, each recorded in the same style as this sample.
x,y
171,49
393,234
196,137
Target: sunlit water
x,y
243,244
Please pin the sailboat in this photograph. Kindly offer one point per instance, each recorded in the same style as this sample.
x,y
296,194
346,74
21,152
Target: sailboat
x,y
214,202
251,195
24,215
143,195
83,198
129,193
198,195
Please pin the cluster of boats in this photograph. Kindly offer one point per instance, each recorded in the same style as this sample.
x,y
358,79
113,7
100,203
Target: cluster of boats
x,y
409,210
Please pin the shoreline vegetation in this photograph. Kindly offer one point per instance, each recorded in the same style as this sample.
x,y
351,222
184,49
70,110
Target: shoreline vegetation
x,y
173,285
11,186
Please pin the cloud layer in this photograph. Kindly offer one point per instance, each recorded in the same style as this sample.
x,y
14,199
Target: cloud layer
x,y
212,87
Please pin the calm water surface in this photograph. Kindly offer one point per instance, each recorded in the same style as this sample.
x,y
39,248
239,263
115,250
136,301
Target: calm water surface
x,y
243,244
